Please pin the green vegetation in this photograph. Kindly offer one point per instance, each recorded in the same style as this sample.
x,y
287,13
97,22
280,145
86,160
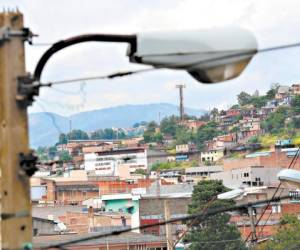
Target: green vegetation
x,y
107,134
287,237
205,133
173,165
64,156
214,230
275,122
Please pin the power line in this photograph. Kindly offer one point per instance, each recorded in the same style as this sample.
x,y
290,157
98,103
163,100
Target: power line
x,y
278,187
127,73
200,216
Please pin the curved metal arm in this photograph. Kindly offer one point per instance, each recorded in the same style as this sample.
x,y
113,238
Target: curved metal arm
x,y
131,39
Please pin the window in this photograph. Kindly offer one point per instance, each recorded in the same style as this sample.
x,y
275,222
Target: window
x,y
246,174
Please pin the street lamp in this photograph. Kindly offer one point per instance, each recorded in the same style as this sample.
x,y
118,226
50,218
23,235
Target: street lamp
x,y
210,56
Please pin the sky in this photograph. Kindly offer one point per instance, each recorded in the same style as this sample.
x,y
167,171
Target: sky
x,y
273,23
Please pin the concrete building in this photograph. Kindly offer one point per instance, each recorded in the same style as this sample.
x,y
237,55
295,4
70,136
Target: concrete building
x,y
249,176
130,241
153,204
211,155
279,158
42,226
196,174
107,163
125,203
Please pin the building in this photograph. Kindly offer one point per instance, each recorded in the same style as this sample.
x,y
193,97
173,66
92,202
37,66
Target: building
x,y
185,148
222,142
279,158
212,155
153,204
282,92
42,226
172,175
130,241
250,176
295,89
193,124
249,127
124,203
90,221
106,163
196,174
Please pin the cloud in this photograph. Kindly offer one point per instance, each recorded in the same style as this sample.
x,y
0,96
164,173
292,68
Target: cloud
x,y
273,23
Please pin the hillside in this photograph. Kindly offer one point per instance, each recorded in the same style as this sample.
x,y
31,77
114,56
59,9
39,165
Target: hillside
x,y
45,127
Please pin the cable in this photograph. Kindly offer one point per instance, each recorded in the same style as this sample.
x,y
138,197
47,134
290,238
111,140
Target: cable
x,y
126,73
99,77
201,216
279,185
293,162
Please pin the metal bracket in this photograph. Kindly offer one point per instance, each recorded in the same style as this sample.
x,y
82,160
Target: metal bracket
x,y
27,90
28,163
6,33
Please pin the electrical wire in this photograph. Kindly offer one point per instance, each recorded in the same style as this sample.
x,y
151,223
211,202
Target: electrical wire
x,y
273,196
200,216
127,73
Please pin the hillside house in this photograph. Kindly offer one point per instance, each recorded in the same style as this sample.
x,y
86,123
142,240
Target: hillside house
x,y
295,89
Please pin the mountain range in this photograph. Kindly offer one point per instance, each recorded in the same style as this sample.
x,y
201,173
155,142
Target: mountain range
x,y
45,127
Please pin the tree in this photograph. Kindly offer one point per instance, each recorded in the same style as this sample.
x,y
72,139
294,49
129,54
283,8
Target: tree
x,y
183,135
62,139
77,134
214,230
275,122
244,98
272,92
64,156
287,236
296,105
205,133
168,125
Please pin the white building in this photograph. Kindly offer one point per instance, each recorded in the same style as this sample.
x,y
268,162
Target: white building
x,y
107,163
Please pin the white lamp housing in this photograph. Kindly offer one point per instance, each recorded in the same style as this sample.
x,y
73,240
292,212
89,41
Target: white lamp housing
x,y
289,178
210,56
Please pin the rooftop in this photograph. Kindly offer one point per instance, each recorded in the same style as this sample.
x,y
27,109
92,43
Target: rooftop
x,y
126,238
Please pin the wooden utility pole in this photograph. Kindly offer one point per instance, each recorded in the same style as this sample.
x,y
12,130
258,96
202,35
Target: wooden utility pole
x,y
16,223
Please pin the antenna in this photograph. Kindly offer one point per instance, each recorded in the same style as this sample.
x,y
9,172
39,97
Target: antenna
x,y
181,107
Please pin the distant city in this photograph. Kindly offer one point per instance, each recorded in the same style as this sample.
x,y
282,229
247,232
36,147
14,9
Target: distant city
x,y
115,178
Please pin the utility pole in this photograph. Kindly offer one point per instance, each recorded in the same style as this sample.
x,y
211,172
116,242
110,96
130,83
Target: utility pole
x,y
168,226
181,107
16,222
252,224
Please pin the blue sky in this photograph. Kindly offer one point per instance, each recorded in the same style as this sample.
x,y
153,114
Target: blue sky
x,y
273,23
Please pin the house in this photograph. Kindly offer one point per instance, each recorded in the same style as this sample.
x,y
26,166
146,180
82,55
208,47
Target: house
x,y
90,221
185,148
282,92
42,226
130,240
193,124
295,89
172,175
153,204
279,158
249,176
222,142
212,155
196,174
106,163
125,203
249,127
